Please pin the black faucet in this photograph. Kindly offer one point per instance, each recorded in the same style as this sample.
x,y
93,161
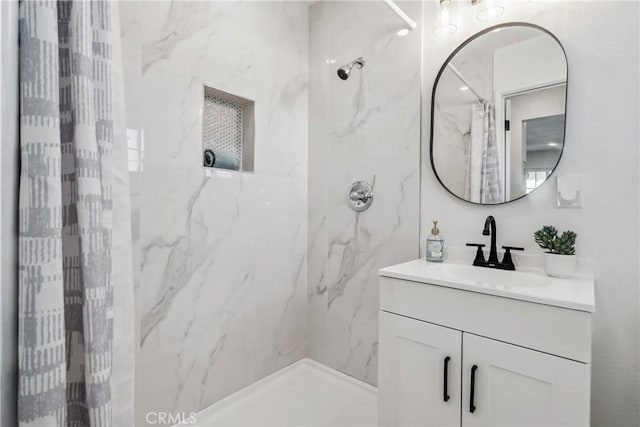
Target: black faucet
x,y
490,229
493,262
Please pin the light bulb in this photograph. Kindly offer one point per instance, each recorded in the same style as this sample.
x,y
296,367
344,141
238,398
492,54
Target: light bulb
x,y
490,9
446,22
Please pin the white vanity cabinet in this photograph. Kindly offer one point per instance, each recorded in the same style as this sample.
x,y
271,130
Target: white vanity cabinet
x,y
420,368
452,355
518,386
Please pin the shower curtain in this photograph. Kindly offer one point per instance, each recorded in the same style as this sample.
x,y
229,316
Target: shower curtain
x,y
75,289
482,183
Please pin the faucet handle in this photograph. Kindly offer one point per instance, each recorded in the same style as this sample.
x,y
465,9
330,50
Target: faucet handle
x,y
506,260
479,260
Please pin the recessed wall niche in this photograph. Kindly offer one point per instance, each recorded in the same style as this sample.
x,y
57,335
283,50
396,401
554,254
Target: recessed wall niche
x,y
228,131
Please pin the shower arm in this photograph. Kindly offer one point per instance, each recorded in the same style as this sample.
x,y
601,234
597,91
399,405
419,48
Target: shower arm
x,y
465,82
394,7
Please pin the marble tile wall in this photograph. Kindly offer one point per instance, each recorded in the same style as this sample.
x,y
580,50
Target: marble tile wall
x,y
222,294
365,128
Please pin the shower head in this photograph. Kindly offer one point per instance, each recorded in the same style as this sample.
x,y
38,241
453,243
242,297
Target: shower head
x,y
345,71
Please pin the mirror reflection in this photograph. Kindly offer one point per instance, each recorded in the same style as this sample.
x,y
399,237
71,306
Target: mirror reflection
x,y
498,114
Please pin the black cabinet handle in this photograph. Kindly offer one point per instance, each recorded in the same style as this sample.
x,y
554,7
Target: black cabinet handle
x,y
472,394
445,396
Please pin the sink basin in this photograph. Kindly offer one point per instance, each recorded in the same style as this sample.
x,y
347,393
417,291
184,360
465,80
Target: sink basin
x,y
575,293
480,276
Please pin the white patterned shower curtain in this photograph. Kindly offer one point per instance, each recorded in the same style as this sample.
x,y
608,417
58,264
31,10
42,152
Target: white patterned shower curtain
x,y
482,183
76,348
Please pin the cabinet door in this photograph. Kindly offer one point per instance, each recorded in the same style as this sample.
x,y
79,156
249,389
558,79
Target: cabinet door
x,y
515,386
415,358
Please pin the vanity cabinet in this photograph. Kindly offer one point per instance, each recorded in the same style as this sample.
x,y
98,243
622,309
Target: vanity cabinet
x,y
458,357
519,386
420,382
431,375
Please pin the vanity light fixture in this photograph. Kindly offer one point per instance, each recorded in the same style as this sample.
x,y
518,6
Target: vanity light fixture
x,y
489,8
446,18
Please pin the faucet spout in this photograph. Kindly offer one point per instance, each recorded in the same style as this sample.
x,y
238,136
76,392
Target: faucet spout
x,y
507,262
490,229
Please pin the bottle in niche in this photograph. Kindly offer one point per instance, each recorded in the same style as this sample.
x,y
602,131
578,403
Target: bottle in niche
x,y
435,245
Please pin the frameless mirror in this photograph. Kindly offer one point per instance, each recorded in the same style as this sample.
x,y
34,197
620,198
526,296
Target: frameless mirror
x,y
498,114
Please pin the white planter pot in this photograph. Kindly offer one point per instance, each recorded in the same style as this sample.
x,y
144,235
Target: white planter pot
x,y
560,266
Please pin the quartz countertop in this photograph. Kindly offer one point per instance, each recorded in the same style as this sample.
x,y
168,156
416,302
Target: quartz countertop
x,y
531,285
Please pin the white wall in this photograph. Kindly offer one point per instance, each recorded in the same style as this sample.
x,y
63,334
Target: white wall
x,y
602,43
530,63
223,280
9,170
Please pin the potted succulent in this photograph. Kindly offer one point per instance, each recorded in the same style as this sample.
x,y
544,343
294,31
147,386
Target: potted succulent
x,y
559,258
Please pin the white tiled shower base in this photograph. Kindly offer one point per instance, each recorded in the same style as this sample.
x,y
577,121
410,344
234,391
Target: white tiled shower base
x,y
303,394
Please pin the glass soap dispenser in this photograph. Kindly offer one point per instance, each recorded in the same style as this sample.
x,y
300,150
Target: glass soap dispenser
x,y
435,245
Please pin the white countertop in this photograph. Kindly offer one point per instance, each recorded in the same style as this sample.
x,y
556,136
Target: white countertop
x,y
531,285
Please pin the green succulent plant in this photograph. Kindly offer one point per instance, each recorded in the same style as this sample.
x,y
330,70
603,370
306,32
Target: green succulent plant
x,y
549,240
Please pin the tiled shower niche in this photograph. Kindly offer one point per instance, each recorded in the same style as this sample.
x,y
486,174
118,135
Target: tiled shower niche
x,y
228,131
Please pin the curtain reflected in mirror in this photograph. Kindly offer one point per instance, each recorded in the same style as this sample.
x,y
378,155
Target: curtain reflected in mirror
x,y
498,114
482,182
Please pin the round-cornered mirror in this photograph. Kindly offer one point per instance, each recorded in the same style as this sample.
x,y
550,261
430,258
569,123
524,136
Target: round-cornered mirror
x,y
498,114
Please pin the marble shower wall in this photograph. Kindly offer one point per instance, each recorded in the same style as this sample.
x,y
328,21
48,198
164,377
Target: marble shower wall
x,y
365,128
222,296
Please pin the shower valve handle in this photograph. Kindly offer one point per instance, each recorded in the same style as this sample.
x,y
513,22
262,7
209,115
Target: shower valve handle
x,y
360,196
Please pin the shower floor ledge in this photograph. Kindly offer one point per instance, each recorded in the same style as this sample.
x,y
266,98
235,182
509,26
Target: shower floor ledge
x,y
305,393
